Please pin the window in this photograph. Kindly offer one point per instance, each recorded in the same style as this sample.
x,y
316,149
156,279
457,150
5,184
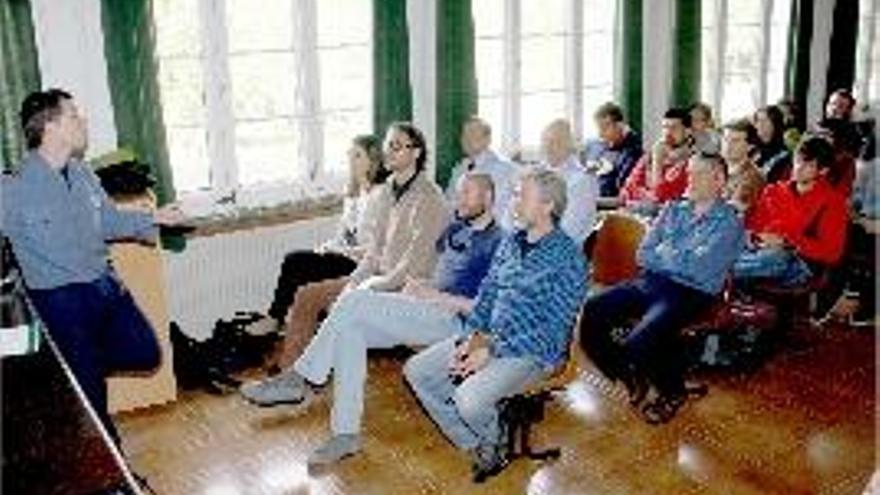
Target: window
x,y
868,54
542,60
743,56
256,97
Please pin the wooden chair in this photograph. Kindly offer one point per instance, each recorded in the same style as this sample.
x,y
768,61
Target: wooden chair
x,y
612,247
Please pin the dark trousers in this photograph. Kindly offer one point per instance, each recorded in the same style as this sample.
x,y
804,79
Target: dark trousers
x,y
99,330
653,345
303,267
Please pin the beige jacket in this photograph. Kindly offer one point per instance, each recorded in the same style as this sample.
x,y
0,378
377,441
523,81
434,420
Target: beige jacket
x,y
406,234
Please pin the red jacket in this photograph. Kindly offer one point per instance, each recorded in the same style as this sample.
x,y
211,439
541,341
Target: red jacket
x,y
672,186
814,222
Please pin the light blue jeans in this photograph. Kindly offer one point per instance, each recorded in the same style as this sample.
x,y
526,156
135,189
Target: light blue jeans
x,y
773,263
365,319
467,413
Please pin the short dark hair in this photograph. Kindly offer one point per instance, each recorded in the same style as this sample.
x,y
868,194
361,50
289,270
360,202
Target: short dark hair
x,y
609,110
37,109
816,148
417,138
743,125
845,93
680,114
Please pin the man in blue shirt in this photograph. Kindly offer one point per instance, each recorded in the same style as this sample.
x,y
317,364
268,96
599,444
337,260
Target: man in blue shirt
x,y
518,331
615,152
362,319
476,140
684,258
58,219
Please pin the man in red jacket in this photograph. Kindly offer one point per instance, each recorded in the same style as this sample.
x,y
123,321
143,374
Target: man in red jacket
x,y
799,224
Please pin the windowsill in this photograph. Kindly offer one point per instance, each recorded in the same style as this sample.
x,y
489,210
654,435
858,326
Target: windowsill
x,y
213,213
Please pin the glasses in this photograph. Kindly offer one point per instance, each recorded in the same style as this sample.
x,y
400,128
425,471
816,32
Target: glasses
x,y
397,147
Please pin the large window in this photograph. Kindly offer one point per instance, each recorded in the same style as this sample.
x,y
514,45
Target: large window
x,y
538,60
262,93
867,88
744,46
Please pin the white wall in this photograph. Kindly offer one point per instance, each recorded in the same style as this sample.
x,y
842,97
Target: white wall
x,y
70,46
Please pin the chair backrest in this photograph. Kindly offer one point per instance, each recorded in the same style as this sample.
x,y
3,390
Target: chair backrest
x,y
613,251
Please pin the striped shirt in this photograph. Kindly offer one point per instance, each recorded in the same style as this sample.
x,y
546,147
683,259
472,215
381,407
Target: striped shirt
x,y
530,298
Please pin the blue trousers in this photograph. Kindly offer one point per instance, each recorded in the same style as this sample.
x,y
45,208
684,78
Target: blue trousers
x,y
99,330
660,307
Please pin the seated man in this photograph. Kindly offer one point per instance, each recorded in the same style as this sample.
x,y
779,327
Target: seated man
x,y
410,214
581,186
365,319
616,150
476,137
744,178
661,175
798,225
684,259
518,331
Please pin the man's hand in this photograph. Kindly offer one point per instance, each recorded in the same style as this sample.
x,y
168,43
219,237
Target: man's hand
x,y
169,215
768,240
471,355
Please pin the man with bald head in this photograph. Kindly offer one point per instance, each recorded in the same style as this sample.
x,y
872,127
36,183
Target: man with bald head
x,y
582,187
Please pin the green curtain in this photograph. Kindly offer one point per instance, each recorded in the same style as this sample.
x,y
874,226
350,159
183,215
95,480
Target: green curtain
x,y
456,81
797,80
686,58
129,40
844,36
392,95
19,75
631,88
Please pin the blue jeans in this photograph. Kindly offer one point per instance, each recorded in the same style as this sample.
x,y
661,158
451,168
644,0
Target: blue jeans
x,y
365,319
771,263
653,345
467,413
99,330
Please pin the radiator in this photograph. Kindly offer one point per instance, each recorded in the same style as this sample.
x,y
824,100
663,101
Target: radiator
x,y
218,275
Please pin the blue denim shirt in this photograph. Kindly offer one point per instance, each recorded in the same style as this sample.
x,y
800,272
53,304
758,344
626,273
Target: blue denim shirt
x,y
503,173
694,251
58,227
464,257
530,298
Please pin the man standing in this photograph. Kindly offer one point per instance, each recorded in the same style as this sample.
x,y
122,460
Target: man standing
x,y
58,219
519,329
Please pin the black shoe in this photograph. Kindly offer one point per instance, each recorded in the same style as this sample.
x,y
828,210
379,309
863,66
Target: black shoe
x,y
636,386
488,461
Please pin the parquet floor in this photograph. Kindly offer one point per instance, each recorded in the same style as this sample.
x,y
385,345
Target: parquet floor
x,y
804,423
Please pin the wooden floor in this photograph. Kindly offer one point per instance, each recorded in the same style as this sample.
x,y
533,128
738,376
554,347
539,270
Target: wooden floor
x,y
802,424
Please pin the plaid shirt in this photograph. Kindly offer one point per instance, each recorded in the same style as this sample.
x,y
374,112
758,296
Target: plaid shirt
x,y
528,301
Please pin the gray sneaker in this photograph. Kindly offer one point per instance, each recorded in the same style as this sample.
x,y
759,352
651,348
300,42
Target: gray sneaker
x,y
334,450
287,387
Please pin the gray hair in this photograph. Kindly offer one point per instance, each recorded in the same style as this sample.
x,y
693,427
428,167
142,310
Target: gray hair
x,y
483,181
552,188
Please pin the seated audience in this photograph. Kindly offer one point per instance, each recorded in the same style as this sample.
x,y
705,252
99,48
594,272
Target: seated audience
x,y
798,225
582,189
744,178
476,137
684,260
338,256
362,319
411,213
518,332
707,139
661,175
773,157
615,152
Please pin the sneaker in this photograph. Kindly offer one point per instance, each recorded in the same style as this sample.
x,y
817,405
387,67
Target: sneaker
x,y
287,387
335,449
